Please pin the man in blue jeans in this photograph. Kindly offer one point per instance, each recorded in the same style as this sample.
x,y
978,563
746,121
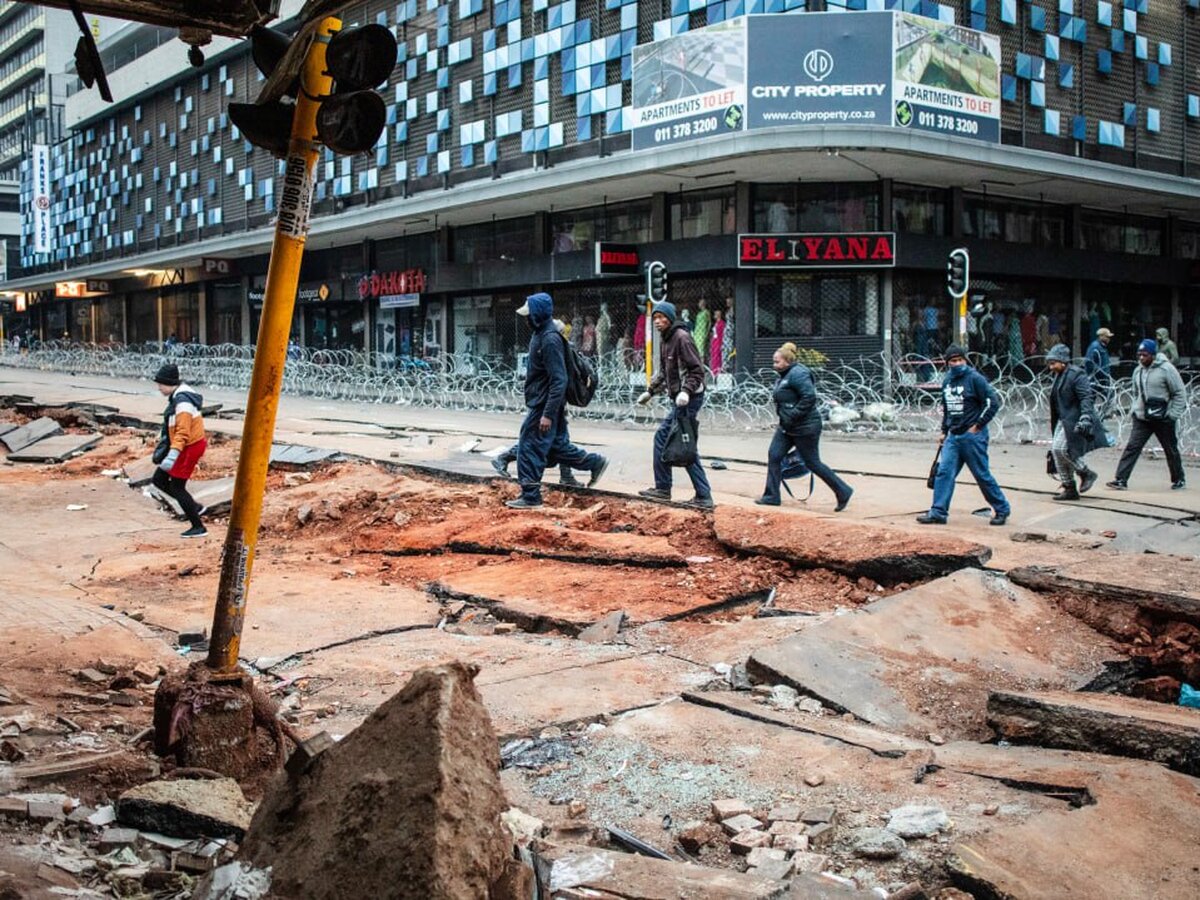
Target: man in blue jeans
x,y
681,377
968,404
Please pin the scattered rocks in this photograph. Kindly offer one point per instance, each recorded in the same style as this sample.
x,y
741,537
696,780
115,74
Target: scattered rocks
x,y
935,739
739,823
727,809
760,855
784,697
820,836
916,821
810,862
749,840
810,705
696,835
785,813
523,826
739,678
818,815
876,843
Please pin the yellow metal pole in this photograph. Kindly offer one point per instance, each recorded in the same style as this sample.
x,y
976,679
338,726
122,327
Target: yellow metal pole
x,y
649,342
270,355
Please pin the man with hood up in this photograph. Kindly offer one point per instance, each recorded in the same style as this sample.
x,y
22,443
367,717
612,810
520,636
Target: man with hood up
x,y
968,404
544,434
681,376
1166,346
1075,428
1159,401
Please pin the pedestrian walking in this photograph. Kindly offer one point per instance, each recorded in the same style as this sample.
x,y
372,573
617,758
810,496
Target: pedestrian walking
x,y
544,433
969,403
681,377
1159,401
799,426
181,443
1098,366
1075,428
1166,346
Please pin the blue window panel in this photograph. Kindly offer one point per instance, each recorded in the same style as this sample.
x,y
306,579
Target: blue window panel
x,y
1066,75
443,78
541,92
1104,61
679,25
401,52
491,152
514,76
411,70
1079,128
1064,6
401,172
554,18
1193,106
1037,93
1116,40
443,120
1008,87
528,141
1104,13
1141,47
569,56
489,83
583,80
422,166
443,35
1080,31
489,40
431,142
541,114
1111,134
527,50
1129,114
1024,65
467,156
1164,54
1153,120
422,45
1008,12
626,68
583,104
1152,74
1039,69
583,129
629,16
541,68
1037,18
614,122
390,118
1052,47
1130,21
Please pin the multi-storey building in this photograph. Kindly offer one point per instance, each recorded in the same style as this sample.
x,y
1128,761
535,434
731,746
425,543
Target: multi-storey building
x,y
515,142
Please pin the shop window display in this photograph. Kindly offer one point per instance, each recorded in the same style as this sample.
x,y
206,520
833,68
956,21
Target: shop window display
x,y
1111,233
1014,221
781,208
918,210
703,213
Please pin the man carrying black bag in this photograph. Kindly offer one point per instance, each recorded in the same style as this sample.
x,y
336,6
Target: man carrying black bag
x,y
681,376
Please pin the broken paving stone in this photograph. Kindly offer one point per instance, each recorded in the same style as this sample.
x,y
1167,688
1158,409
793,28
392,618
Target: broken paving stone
x,y
786,813
818,815
790,842
820,836
916,821
727,809
186,808
696,835
759,855
788,828
45,810
92,676
116,838
604,631
740,823
774,869
876,843
523,826
747,840
810,862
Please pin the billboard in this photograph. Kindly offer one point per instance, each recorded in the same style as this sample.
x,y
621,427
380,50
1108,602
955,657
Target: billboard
x,y
690,86
863,68
40,213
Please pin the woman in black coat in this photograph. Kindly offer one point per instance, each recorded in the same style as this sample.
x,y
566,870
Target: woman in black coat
x,y
800,427
1074,426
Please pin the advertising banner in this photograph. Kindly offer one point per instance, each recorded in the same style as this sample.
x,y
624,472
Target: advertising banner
x,y
947,78
820,69
42,234
690,86
861,68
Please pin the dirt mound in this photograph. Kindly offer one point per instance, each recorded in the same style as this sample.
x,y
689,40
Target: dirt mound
x,y
407,806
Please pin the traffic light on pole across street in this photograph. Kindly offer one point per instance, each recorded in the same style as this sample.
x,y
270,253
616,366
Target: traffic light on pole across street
x,y
656,281
958,272
350,119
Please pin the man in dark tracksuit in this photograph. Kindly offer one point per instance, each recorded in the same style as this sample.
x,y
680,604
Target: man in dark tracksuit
x,y
681,376
544,434
968,404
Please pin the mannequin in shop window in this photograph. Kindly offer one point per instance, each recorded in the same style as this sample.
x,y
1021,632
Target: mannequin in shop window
x,y
1029,331
1016,344
639,334
603,330
577,331
718,339
728,347
1043,332
587,345
701,329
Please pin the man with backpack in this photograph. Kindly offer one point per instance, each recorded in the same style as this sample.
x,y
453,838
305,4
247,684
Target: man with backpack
x,y
681,376
544,433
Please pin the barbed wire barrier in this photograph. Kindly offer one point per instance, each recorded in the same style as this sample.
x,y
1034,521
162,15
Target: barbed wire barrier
x,y
869,396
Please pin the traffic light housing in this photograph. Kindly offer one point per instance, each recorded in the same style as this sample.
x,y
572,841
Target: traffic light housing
x,y
656,281
958,272
351,118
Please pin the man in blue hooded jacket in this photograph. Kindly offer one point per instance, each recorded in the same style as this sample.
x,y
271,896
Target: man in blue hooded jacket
x,y
544,434
968,404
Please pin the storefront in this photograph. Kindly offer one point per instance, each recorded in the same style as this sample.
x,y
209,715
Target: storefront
x,y
394,297
321,320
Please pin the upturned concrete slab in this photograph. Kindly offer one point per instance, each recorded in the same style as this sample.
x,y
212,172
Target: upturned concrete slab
x,y
55,449
888,555
31,433
139,472
1170,586
216,494
298,456
924,659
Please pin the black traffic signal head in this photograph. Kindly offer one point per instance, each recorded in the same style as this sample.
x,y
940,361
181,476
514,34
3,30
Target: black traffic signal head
x,y
358,58
958,272
656,277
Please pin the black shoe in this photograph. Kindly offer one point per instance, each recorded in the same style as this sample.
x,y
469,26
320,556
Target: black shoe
x,y
1087,481
598,473
766,501
195,533
1068,492
500,467
998,519
522,503
842,501
700,502
569,480
927,519
655,494
1179,485
1117,485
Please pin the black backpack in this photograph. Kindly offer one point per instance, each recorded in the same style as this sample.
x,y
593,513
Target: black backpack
x,y
582,380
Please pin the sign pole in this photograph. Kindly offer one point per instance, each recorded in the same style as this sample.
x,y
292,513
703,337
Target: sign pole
x,y
270,356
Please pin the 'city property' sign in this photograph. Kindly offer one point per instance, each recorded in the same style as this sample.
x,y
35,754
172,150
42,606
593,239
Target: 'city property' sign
x,y
617,259
863,250
770,71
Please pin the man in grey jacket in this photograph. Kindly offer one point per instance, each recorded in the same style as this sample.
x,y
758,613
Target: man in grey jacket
x,y
1159,401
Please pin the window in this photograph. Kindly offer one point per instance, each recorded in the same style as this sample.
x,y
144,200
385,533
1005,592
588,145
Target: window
x,y
1014,221
817,304
1189,240
918,210
627,223
1114,233
509,240
780,208
703,213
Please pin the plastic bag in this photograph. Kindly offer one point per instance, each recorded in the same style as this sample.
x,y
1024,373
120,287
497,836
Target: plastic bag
x,y
1189,696
681,442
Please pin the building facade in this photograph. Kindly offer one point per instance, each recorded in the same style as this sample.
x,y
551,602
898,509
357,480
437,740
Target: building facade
x,y
514,145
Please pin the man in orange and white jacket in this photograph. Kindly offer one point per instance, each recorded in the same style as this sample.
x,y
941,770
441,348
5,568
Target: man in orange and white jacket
x,y
181,443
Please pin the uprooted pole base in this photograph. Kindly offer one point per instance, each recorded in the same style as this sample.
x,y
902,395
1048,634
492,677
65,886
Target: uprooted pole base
x,y
225,725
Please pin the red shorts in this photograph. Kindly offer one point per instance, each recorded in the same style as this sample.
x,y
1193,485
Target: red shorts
x,y
186,463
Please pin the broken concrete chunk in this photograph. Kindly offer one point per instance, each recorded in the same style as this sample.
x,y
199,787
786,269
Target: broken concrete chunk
x,y
727,809
116,838
606,630
92,676
810,862
234,881
759,855
14,807
523,826
784,697
302,757
917,821
790,842
785,813
407,805
45,810
748,840
876,843
818,815
775,869
579,872
739,823
820,836
696,835
212,808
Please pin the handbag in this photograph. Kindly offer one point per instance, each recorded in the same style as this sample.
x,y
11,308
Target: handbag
x,y
681,449
794,467
933,469
1156,409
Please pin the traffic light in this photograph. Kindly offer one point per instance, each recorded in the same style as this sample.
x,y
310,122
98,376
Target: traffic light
x,y
656,281
958,272
350,119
